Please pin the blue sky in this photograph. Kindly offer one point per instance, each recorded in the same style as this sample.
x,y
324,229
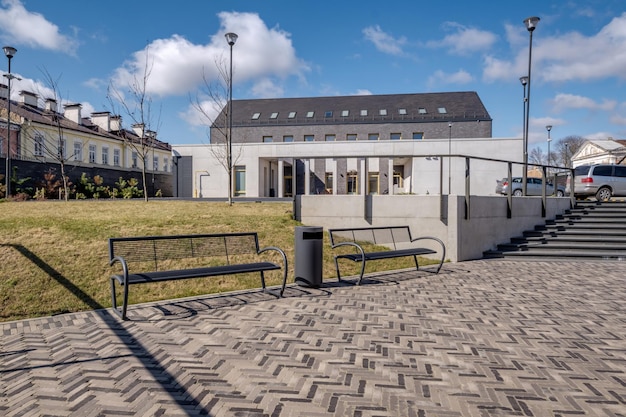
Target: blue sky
x,y
322,48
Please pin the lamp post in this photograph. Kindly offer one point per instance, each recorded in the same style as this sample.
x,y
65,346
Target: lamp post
x,y
531,24
524,81
549,128
9,51
449,157
231,38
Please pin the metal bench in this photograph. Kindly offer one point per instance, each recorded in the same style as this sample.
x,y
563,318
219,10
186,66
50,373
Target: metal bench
x,y
148,259
397,239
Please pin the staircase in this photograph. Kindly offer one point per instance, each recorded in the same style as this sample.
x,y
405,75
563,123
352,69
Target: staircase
x,y
591,230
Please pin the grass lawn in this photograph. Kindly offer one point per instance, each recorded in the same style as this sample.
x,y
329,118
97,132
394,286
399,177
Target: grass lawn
x,y
55,254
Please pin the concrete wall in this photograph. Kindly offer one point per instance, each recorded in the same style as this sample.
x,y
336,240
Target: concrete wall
x,y
465,239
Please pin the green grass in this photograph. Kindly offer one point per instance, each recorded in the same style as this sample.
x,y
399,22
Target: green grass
x,y
55,254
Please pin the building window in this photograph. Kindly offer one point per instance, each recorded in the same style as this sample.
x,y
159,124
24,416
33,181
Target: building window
x,y
78,151
345,113
165,164
267,139
274,115
328,183
105,155
240,180
373,183
116,157
328,114
329,138
256,116
134,160
402,112
382,112
442,110
351,136
422,110
288,138
398,176
155,163
395,136
372,136
363,112
418,135
39,146
92,153
310,114
292,115
309,138
352,182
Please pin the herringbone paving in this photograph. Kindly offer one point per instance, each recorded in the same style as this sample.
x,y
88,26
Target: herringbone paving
x,y
482,338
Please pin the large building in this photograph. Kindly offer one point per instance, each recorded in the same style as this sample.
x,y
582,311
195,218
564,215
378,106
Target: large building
x,y
338,145
42,138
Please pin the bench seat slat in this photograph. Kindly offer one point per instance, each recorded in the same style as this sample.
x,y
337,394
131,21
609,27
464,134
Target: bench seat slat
x,y
370,256
158,276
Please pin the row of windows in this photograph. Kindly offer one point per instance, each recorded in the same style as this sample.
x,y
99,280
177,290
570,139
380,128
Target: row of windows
x,y
349,136
346,113
77,154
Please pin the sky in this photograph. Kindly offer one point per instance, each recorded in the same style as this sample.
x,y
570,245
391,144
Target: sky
x,y
328,48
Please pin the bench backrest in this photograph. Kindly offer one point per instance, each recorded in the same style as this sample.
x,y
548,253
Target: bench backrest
x,y
390,236
162,248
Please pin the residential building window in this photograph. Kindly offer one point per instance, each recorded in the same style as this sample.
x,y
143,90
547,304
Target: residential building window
x,y
352,182
155,163
402,112
116,157
442,110
78,151
105,155
398,176
240,180
288,138
395,136
328,114
351,136
166,166
373,183
133,159
292,115
267,139
418,135
422,110
345,113
329,138
363,112
274,115
310,114
92,153
382,112
39,145
328,182
372,136
309,138
256,116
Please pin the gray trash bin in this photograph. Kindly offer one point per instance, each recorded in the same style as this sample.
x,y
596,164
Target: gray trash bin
x,y
308,255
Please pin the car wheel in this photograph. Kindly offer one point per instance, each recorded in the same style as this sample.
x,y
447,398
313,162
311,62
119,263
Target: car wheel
x,y
560,193
603,194
517,193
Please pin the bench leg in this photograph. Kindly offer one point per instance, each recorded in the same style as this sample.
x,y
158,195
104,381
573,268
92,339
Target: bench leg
x,y
417,267
120,312
362,272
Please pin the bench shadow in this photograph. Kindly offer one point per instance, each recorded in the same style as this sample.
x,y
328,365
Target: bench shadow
x,y
167,381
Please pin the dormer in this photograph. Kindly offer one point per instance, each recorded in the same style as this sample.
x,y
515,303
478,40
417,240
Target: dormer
x,y
102,120
28,98
72,112
51,105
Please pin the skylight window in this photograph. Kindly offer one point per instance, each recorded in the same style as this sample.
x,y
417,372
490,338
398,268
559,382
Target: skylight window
x,y
345,113
328,114
382,112
363,112
310,114
256,116
442,110
292,114
422,110
274,115
402,111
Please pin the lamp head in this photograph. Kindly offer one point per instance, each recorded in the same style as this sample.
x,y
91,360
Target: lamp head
x,y
549,127
9,51
524,80
531,23
231,38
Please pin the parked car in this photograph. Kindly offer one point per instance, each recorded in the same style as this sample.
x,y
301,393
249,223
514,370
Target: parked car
x,y
533,187
601,181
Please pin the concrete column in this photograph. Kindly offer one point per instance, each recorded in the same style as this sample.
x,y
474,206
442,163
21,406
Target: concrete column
x,y
307,177
363,175
390,177
280,192
335,175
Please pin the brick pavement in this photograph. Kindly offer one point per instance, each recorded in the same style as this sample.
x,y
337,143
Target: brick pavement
x,y
483,338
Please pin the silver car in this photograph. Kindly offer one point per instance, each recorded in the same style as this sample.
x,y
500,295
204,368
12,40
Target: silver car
x,y
601,181
533,187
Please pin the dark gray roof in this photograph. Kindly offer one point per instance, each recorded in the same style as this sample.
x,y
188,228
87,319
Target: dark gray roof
x,y
399,108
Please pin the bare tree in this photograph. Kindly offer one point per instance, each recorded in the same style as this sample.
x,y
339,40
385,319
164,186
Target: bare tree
x,y
566,147
138,106
537,156
211,102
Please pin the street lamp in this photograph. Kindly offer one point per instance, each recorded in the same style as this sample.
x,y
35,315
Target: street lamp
x,y
231,38
531,24
449,156
9,51
549,128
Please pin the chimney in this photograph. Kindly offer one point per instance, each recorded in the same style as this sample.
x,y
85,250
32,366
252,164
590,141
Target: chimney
x,y
72,112
51,105
102,120
4,91
138,129
116,123
28,98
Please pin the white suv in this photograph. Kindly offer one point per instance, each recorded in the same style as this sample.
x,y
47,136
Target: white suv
x,y
601,181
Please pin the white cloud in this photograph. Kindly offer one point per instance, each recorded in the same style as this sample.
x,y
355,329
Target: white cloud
x,y
464,40
362,92
383,41
564,101
177,65
265,87
22,27
459,77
